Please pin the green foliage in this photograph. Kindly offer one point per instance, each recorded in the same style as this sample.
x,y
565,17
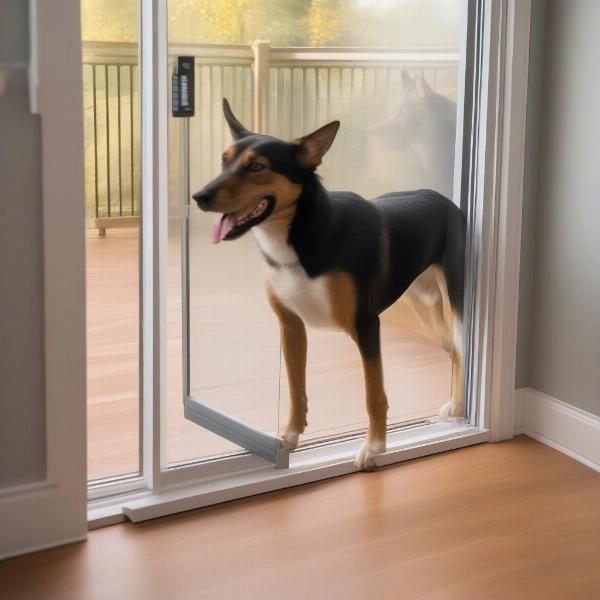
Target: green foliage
x,y
236,21
399,23
109,20
327,20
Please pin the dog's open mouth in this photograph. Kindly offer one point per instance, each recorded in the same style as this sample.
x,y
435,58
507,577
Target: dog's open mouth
x,y
230,226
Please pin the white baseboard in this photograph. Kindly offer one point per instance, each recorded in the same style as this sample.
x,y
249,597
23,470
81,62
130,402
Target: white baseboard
x,y
569,430
521,396
37,516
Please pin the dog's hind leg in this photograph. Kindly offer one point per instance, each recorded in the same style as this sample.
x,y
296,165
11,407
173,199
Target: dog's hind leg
x,y
293,342
455,408
428,296
453,268
367,339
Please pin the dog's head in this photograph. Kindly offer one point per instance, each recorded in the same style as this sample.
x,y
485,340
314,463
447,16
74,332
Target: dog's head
x,y
262,177
421,116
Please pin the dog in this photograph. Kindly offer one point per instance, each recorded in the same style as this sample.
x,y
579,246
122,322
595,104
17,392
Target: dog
x,y
337,260
422,131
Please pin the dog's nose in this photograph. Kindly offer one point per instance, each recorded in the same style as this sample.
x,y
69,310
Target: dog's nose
x,y
202,199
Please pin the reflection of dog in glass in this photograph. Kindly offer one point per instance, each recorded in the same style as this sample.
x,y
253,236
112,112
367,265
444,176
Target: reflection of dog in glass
x,y
335,259
421,132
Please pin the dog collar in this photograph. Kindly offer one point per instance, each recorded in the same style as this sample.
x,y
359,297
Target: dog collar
x,y
277,265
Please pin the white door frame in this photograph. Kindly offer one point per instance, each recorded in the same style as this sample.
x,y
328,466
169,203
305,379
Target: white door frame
x,y
508,168
53,511
499,196
154,211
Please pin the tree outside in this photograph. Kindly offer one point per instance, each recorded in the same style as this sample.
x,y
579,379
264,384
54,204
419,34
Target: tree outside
x,y
375,23
361,97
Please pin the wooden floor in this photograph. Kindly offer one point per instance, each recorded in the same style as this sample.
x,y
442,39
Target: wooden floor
x,y
234,353
515,520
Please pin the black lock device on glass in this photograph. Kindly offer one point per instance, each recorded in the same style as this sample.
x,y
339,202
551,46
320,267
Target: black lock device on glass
x,y
182,97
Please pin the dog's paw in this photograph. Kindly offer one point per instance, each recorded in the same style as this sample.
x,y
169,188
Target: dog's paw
x,y
452,411
365,458
290,438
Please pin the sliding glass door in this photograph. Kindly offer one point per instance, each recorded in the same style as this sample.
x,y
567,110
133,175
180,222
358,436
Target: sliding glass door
x,y
405,80
395,91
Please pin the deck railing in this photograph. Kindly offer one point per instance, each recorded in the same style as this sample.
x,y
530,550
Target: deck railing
x,y
280,91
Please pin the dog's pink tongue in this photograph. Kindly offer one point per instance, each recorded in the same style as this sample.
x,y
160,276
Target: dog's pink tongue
x,y
221,228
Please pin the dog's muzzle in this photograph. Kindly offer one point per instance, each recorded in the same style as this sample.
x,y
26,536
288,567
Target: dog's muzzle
x,y
202,199
232,226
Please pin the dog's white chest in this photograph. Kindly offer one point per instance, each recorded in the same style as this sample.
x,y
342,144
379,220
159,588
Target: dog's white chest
x,y
308,298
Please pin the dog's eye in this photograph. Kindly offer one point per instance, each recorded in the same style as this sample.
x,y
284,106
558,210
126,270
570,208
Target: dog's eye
x,y
255,167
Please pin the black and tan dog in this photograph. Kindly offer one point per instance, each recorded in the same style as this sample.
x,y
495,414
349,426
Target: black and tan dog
x,y
335,259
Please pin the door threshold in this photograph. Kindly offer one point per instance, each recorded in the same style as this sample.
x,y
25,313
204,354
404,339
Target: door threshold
x,y
306,466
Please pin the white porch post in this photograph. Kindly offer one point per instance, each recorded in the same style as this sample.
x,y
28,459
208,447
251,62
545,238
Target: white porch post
x,y
260,68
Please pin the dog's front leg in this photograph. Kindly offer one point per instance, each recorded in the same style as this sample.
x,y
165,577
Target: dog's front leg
x,y
367,339
293,342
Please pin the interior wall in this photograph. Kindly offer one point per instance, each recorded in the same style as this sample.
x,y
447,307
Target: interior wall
x,y
22,443
535,89
563,347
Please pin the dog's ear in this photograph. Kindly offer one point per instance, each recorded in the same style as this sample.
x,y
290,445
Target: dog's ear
x,y
237,129
425,87
311,148
407,79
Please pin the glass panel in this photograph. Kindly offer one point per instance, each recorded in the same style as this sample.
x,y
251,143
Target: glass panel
x,y
112,199
398,114
227,300
245,387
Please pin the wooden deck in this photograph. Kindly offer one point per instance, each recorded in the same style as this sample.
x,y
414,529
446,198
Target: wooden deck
x,y
235,354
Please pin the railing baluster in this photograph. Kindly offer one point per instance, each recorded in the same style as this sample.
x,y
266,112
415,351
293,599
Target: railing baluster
x,y
210,116
288,100
304,129
131,149
318,87
248,94
317,95
357,101
328,98
107,139
236,76
95,143
220,121
205,120
390,108
274,112
228,89
307,105
291,93
280,95
119,134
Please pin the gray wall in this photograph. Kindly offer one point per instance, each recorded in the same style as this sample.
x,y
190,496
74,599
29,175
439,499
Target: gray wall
x,y
530,187
22,443
561,355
